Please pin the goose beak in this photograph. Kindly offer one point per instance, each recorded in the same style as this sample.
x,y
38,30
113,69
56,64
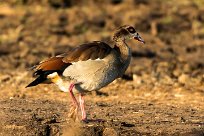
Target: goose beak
x,y
139,38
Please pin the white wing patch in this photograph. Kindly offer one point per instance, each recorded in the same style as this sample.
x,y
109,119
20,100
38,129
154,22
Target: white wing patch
x,y
98,59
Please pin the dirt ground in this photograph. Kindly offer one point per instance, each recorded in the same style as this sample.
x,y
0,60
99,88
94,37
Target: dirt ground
x,y
161,93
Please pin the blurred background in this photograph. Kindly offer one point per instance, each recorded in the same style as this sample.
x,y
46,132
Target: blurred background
x,y
171,62
33,30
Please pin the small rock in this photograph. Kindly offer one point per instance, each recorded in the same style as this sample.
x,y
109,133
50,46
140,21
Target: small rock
x,y
177,72
137,79
184,78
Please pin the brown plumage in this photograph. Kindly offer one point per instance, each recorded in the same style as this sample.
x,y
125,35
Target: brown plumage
x,y
93,50
89,66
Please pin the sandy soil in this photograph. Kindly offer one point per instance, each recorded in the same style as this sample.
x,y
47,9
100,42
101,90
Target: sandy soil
x,y
161,93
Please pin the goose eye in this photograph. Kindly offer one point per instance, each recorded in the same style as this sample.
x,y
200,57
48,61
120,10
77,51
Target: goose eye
x,y
131,30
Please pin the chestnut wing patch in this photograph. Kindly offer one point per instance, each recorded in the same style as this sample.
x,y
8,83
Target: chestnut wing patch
x,y
54,63
93,50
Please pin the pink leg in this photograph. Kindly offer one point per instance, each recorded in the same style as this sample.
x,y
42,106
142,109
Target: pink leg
x,y
81,103
72,95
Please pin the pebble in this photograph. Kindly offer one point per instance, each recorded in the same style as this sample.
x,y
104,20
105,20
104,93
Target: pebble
x,y
137,79
177,72
183,78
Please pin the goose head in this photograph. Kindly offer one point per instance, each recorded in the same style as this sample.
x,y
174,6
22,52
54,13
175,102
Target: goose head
x,y
127,32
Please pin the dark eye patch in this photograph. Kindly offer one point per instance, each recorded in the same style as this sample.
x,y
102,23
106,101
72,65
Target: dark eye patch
x,y
131,30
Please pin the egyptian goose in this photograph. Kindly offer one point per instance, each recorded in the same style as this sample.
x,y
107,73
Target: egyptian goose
x,y
88,67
